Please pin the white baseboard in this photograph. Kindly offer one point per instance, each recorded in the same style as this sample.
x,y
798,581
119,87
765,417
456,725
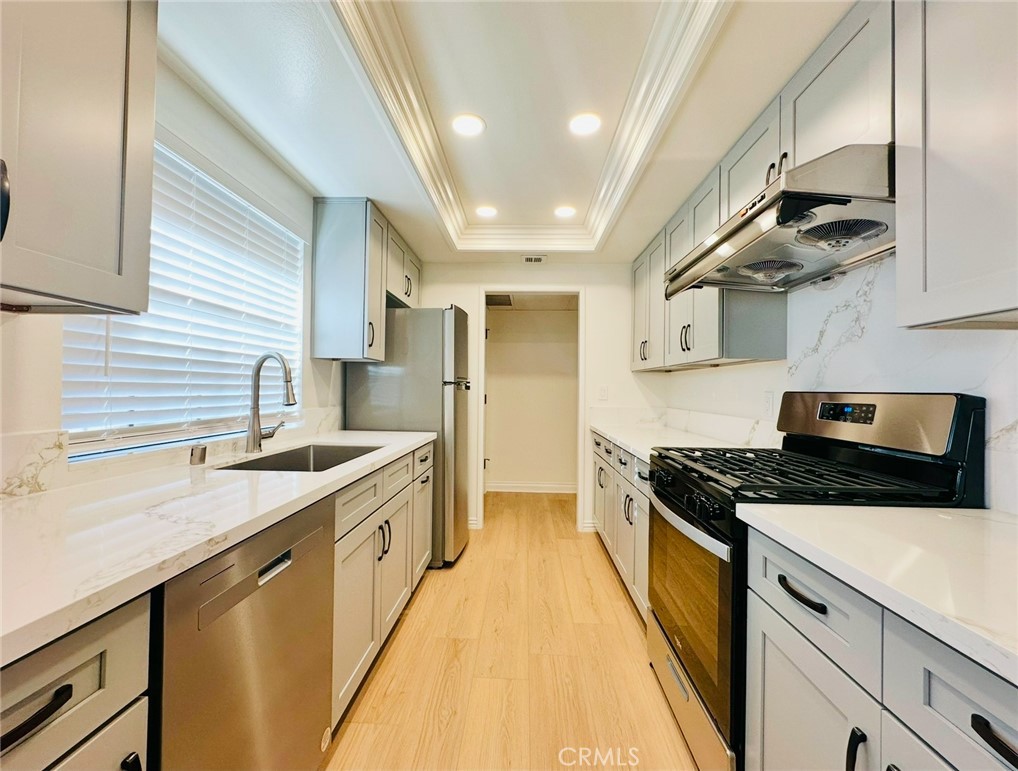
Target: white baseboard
x,y
528,487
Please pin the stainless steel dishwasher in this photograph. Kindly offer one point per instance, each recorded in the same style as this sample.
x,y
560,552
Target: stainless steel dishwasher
x,y
247,657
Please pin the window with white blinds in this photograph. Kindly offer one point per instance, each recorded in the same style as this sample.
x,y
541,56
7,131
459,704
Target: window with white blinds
x,y
226,286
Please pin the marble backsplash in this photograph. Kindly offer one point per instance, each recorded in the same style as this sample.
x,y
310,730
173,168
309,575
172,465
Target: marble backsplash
x,y
846,338
746,432
33,462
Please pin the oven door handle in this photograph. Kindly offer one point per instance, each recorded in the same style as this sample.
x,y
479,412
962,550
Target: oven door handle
x,y
719,549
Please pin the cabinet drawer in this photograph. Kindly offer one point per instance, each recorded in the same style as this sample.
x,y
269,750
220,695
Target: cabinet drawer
x,y
102,666
843,623
641,476
113,747
602,447
355,502
624,463
940,693
424,458
398,475
903,750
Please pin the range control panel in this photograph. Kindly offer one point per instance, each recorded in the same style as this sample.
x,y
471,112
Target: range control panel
x,y
842,412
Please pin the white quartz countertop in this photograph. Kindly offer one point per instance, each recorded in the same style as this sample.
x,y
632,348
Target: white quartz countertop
x,y
951,572
72,554
640,439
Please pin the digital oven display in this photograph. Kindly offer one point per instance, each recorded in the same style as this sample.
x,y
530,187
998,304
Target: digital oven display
x,y
847,413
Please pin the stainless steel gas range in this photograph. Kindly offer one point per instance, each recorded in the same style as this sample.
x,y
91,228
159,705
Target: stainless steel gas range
x,y
877,449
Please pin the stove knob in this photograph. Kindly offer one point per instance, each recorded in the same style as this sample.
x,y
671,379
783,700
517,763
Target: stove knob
x,y
660,478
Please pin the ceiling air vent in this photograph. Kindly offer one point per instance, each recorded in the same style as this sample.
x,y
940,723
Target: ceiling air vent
x,y
535,259
498,300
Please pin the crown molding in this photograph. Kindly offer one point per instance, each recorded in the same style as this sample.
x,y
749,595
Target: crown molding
x,y
680,38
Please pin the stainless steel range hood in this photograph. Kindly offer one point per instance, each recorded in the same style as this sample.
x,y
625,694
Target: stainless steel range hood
x,y
818,219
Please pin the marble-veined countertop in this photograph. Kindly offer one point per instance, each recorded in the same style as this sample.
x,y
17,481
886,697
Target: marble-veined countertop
x,y
950,572
72,554
640,439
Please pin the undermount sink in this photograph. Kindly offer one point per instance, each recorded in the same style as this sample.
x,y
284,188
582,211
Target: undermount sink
x,y
312,457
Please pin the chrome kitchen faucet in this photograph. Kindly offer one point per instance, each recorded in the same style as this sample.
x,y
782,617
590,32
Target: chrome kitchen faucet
x,y
255,433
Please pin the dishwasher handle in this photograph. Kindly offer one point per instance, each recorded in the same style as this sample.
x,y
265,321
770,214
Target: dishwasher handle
x,y
244,587
274,567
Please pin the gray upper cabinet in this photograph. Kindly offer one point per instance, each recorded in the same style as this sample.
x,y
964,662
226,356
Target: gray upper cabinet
x,y
842,95
708,326
648,306
750,165
348,320
77,143
956,108
403,271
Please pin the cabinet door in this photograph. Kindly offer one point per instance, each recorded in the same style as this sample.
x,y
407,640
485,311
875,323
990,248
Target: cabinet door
x,y
678,310
78,147
412,268
753,160
801,710
955,160
395,577
610,515
842,95
424,489
356,637
641,309
395,258
703,336
902,750
374,332
654,350
597,496
625,537
641,551
116,745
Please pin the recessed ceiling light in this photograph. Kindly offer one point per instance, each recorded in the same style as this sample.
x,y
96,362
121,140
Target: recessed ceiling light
x,y
565,211
486,211
468,125
585,123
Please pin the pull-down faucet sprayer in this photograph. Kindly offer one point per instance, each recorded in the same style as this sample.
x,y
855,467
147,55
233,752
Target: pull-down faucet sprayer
x,y
255,433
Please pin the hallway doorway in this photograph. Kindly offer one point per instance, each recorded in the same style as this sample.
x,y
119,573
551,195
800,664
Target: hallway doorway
x,y
531,392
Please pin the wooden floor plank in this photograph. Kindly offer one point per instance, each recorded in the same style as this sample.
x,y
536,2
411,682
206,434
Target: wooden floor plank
x,y
527,647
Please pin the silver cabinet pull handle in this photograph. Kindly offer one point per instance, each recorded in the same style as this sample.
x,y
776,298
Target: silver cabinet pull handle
x,y
5,198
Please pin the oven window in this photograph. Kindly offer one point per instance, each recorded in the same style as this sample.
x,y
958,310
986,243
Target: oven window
x,y
691,594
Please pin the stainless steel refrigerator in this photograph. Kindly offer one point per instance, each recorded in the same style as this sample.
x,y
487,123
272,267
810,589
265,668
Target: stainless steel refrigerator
x,y
422,386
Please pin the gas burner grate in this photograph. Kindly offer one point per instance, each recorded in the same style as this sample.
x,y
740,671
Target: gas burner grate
x,y
767,474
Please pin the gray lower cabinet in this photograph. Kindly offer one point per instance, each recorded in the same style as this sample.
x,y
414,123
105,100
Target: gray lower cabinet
x,y
394,576
422,532
356,634
83,680
375,563
802,712
902,750
121,744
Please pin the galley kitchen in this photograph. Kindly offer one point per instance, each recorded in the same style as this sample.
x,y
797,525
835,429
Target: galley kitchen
x,y
565,384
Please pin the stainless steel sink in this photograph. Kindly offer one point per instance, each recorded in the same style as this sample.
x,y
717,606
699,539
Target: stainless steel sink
x,y
312,457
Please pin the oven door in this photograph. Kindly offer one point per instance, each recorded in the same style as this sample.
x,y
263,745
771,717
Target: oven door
x,y
691,577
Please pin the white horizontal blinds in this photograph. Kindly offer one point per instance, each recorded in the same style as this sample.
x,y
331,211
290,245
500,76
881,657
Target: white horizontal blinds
x,y
225,287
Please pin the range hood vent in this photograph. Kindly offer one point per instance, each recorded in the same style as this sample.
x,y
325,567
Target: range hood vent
x,y
823,217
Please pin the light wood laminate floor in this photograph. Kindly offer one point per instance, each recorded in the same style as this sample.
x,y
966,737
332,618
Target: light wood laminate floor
x,y
525,651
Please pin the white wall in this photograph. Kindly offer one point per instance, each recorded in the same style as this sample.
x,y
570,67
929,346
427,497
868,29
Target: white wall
x,y
604,324
845,339
531,381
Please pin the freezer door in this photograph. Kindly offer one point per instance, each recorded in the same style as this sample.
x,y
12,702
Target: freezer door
x,y
455,362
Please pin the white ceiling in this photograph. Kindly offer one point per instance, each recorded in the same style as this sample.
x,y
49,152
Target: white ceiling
x,y
290,72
